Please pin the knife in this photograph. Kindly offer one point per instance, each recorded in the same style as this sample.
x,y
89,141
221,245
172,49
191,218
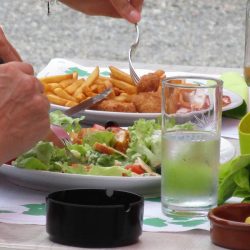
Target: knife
x,y
88,103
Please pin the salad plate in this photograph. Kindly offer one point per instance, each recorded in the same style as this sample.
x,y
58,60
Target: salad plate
x,y
148,186
59,66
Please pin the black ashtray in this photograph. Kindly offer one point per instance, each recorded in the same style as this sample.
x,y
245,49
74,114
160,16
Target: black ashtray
x,y
94,217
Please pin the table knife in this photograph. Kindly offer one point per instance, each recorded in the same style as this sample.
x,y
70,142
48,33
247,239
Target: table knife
x,y
88,103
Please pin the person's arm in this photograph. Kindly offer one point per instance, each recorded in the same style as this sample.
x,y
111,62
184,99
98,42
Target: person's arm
x,y
7,52
24,110
127,9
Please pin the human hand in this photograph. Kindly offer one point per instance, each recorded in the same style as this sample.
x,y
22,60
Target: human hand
x,y
23,108
130,10
127,9
7,52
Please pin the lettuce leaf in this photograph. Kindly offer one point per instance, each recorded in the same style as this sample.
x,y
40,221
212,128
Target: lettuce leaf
x,y
106,137
234,179
68,123
145,142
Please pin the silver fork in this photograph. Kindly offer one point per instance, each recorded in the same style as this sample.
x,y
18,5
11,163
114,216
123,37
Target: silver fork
x,y
66,142
132,49
64,139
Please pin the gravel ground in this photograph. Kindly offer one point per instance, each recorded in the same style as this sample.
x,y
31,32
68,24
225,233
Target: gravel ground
x,y
181,32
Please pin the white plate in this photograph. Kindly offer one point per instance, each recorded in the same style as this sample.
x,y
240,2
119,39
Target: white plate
x,y
126,119
59,66
52,181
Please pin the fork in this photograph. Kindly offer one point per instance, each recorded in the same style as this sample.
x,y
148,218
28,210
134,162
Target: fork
x,y
132,49
60,134
66,142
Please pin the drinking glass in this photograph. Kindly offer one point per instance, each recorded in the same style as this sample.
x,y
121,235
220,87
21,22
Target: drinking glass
x,y
191,124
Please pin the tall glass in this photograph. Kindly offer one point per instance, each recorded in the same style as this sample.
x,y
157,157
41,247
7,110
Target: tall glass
x,y
191,123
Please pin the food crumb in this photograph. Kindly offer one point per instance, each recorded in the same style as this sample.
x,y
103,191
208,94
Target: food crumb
x,y
247,220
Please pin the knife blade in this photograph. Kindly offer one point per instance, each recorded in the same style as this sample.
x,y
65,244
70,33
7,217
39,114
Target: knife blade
x,y
88,103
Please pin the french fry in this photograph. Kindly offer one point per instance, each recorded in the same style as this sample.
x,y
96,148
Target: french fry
x,y
92,77
65,83
57,78
99,81
56,99
120,75
103,78
90,93
128,88
117,91
108,83
70,104
63,94
75,75
94,87
123,97
52,86
79,96
71,89
120,98
100,88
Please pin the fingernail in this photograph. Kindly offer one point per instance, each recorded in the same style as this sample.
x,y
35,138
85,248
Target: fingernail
x,y
135,16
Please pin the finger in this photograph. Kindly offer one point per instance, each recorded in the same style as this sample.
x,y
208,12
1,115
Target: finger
x,y
7,51
24,67
34,81
89,7
40,86
126,10
137,4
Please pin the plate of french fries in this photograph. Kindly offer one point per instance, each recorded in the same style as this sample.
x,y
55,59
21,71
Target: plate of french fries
x,y
67,84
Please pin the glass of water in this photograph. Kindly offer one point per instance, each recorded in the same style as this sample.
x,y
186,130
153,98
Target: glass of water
x,y
191,124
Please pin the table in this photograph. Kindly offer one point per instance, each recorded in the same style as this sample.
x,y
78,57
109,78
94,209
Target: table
x,y
27,237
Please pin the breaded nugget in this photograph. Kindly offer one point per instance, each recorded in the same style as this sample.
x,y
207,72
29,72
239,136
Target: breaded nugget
x,y
148,102
115,106
149,82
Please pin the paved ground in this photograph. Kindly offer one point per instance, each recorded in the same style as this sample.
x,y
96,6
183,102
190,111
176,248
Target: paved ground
x,y
193,32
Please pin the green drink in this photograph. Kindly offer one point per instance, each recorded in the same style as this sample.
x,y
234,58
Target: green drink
x,y
189,171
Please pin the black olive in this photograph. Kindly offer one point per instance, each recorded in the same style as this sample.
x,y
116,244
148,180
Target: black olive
x,y
111,124
158,169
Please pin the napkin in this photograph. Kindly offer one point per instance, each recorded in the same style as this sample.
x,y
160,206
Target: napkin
x,y
235,82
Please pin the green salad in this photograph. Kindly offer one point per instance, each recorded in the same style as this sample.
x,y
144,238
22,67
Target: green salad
x,y
112,151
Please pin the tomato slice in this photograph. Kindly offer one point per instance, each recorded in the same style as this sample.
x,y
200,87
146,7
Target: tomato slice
x,y
226,100
136,168
98,127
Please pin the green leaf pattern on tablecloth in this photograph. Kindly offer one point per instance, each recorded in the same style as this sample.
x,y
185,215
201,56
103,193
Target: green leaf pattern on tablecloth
x,y
154,199
35,209
155,222
105,73
84,73
6,211
80,72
